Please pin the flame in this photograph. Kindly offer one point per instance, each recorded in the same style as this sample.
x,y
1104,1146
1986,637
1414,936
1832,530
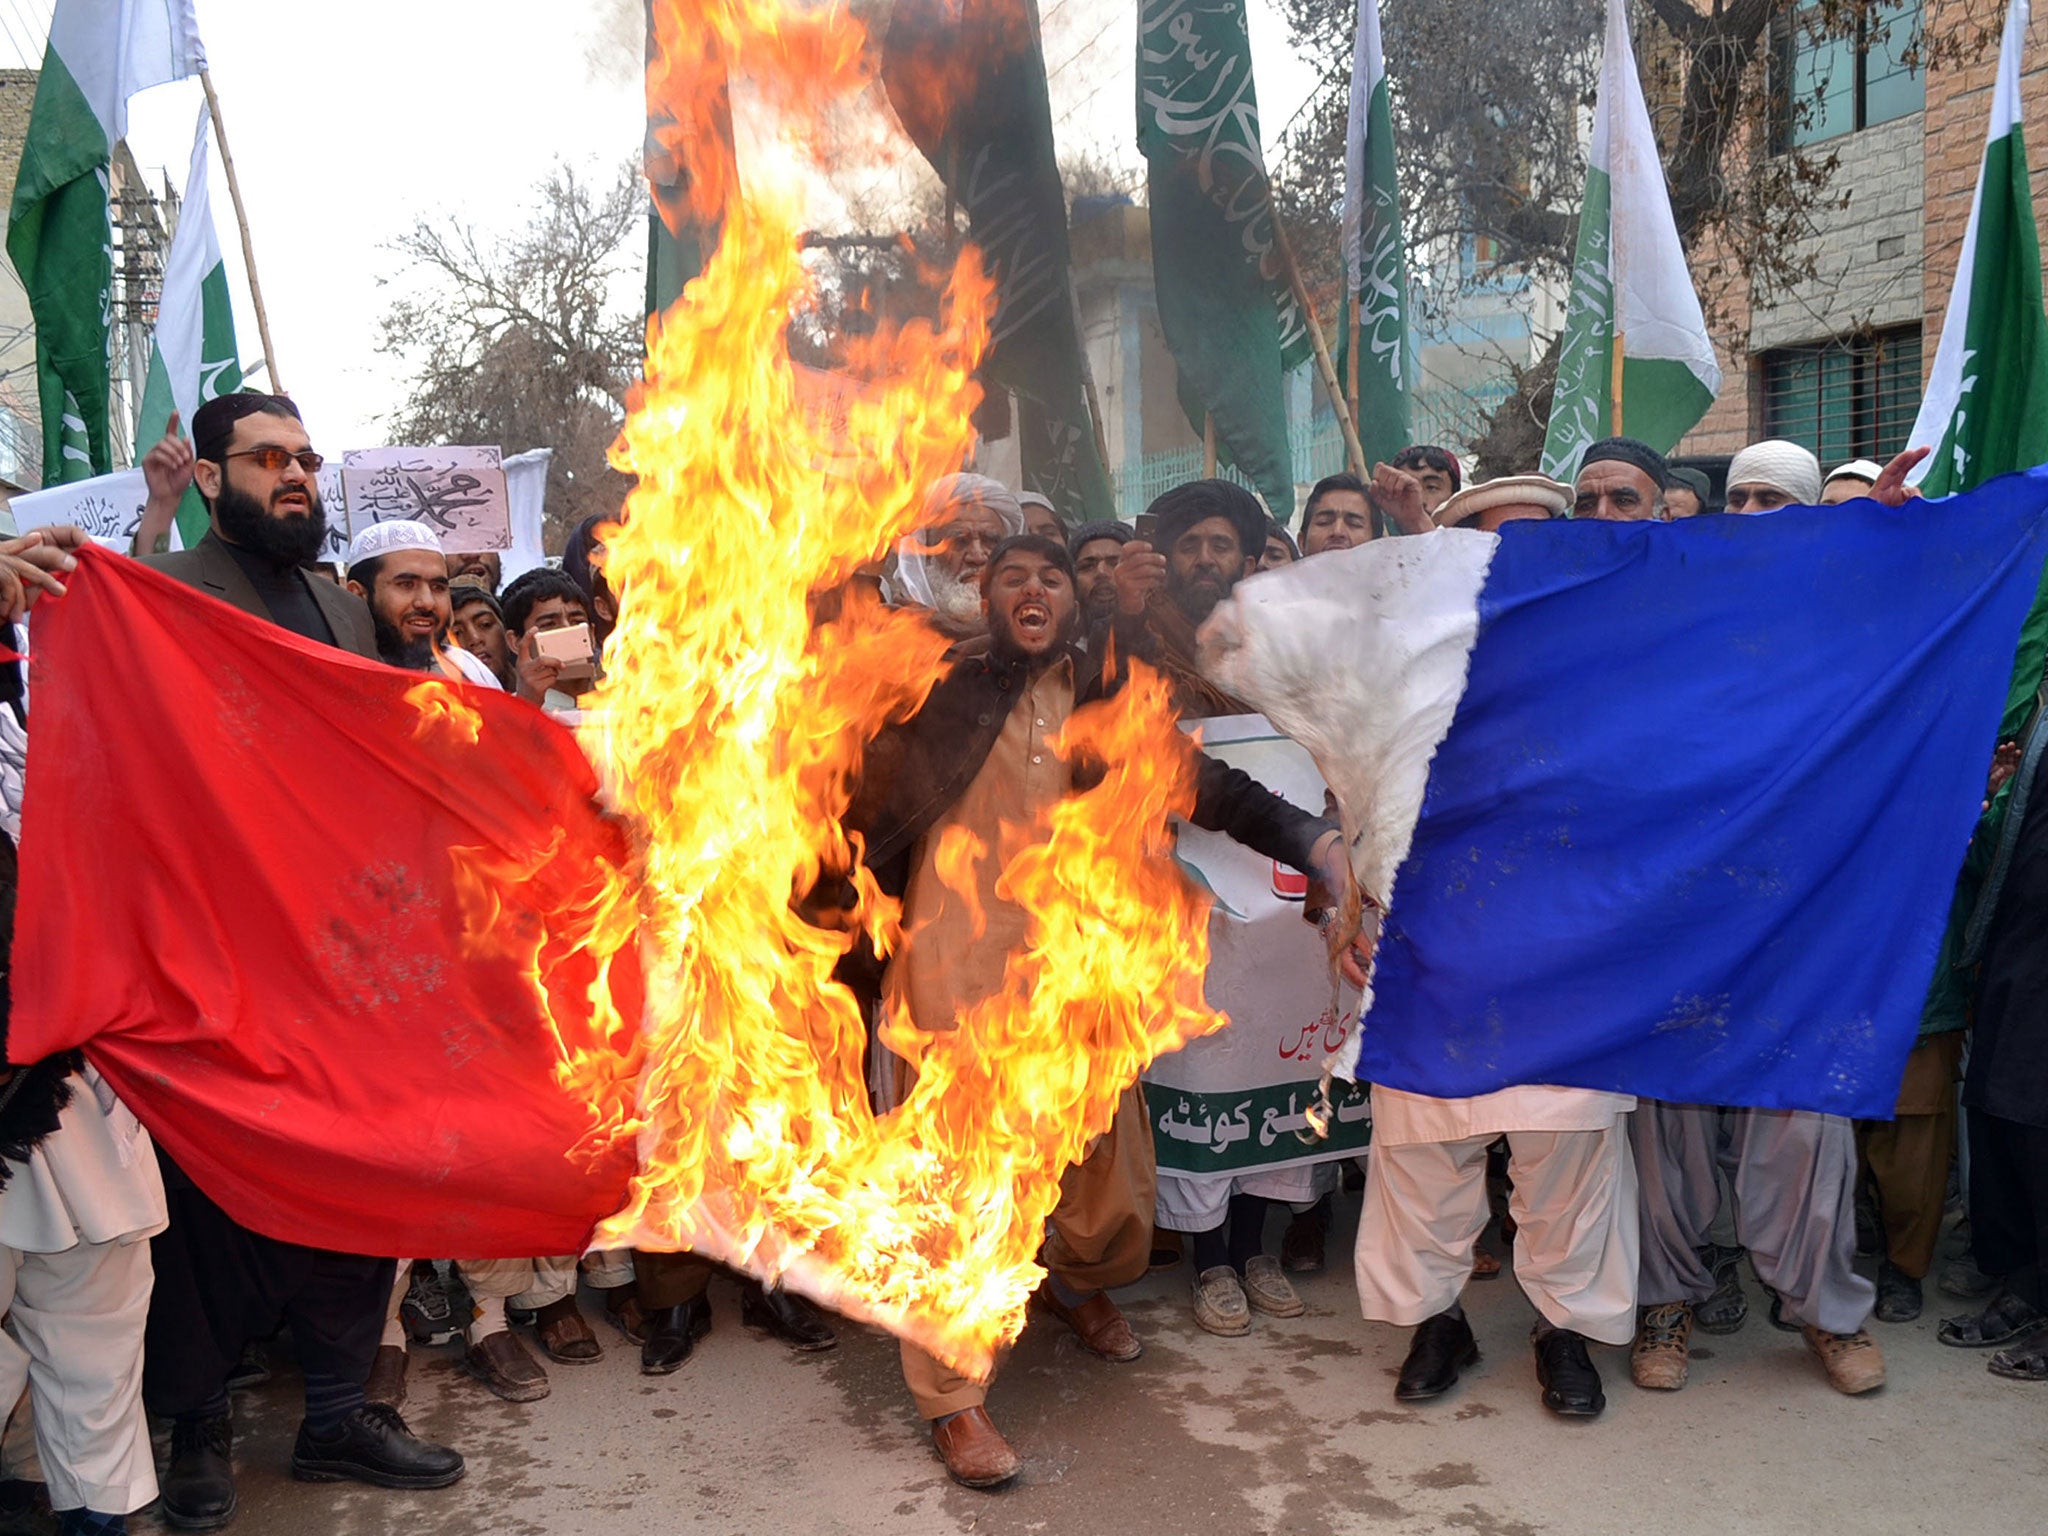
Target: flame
x,y
744,676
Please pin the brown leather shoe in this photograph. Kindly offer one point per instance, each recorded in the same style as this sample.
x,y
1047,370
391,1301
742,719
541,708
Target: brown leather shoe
x,y
564,1335
1098,1324
387,1376
622,1310
501,1363
974,1451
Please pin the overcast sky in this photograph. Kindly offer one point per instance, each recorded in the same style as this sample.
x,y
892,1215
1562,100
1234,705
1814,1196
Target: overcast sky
x,y
349,121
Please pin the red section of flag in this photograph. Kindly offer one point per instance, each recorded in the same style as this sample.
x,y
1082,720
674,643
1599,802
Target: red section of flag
x,y
291,914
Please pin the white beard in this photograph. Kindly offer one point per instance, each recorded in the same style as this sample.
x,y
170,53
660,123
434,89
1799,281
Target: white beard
x,y
957,603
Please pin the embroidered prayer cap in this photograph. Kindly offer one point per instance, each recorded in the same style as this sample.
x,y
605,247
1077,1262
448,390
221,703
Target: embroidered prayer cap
x,y
390,538
1780,464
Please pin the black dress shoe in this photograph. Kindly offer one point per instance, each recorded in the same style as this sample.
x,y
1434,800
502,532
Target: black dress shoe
x,y
790,1318
1571,1386
1443,1346
373,1446
671,1334
199,1485
1899,1298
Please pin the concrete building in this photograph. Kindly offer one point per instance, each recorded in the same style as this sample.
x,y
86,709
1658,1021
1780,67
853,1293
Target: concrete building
x,y
1839,362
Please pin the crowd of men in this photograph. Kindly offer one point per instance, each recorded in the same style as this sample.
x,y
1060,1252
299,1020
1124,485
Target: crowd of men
x,y
129,1293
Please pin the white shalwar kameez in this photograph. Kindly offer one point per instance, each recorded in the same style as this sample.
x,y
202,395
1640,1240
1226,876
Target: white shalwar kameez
x,y
1577,1246
75,1224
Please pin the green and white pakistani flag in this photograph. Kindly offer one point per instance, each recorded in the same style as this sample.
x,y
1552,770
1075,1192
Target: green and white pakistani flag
x,y
1630,286
1226,304
193,357
1375,258
59,233
1986,407
1986,413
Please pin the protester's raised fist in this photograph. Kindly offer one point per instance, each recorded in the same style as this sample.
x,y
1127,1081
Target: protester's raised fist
x,y
1140,573
1400,495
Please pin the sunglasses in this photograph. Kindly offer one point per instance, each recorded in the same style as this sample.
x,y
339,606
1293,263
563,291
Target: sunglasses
x,y
273,460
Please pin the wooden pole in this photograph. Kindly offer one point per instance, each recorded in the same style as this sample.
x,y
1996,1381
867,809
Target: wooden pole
x,y
1614,389
227,161
1327,369
1208,446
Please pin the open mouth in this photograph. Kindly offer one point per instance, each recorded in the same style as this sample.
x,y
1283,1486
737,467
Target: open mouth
x,y
293,501
419,626
1032,619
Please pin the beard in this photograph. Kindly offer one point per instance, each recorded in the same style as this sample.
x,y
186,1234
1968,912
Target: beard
x,y
1002,641
397,651
1198,599
956,604
290,539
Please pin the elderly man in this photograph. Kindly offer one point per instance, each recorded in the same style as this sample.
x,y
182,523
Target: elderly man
x,y
939,566
1620,481
1849,481
1097,549
1772,474
398,569
219,1285
980,756
1510,499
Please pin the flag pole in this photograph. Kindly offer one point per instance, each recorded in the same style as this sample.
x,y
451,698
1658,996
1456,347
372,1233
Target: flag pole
x,y
1614,395
227,161
1324,367
1208,445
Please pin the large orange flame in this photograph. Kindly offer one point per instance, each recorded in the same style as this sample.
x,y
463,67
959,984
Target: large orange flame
x,y
728,733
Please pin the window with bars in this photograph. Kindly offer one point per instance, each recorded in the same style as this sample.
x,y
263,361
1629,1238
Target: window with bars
x,y
1828,84
1851,398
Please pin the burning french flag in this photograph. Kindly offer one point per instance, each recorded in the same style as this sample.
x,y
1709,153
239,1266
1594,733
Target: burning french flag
x,y
1668,809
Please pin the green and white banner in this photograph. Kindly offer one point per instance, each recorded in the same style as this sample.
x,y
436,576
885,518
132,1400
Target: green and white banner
x,y
1986,413
1234,1106
193,357
1986,407
1630,284
59,232
1375,257
1226,304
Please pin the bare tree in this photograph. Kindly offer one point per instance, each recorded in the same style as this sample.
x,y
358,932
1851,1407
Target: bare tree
x,y
529,340
1489,111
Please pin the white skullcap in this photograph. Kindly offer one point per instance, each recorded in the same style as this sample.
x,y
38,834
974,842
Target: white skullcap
x,y
1866,470
1781,464
973,490
389,538
1033,499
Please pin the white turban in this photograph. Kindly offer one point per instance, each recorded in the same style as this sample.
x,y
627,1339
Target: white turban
x,y
1780,464
389,538
913,559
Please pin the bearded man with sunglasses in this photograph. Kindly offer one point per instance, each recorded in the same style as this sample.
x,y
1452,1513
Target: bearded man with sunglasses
x,y
259,476
220,1285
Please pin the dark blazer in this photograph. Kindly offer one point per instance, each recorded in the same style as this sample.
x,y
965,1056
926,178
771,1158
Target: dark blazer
x,y
916,771
209,567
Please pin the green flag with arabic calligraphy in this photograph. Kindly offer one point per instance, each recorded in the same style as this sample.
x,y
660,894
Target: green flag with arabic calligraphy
x,y
1229,313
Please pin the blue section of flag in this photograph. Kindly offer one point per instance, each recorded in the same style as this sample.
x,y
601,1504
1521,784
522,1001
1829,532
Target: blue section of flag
x,y
1695,828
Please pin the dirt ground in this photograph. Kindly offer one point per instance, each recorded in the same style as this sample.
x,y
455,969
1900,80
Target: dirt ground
x,y
1292,1429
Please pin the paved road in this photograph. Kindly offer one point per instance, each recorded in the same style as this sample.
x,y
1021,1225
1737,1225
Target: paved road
x,y
1292,1429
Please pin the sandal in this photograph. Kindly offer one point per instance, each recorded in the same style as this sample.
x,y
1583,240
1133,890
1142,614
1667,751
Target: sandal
x,y
2005,1319
2027,1363
1727,1308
